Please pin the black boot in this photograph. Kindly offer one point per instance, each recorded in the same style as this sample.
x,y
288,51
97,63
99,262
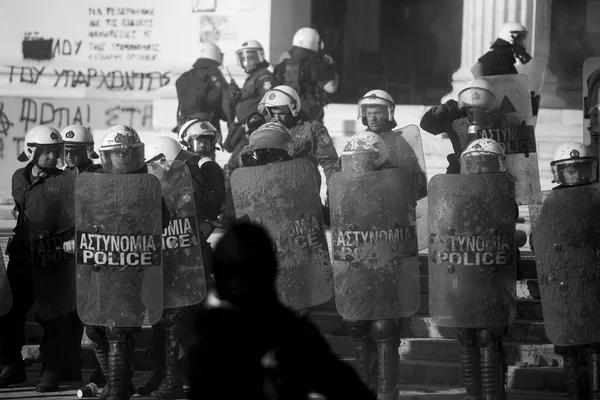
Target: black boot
x,y
593,358
359,331
469,361
157,356
171,387
50,349
116,387
386,335
490,366
100,345
571,368
70,368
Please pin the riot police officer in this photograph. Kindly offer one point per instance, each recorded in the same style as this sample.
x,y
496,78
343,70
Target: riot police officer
x,y
270,143
79,148
500,60
309,71
311,138
559,225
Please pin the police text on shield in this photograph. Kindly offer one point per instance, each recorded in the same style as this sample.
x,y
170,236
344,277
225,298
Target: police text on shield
x,y
477,250
115,250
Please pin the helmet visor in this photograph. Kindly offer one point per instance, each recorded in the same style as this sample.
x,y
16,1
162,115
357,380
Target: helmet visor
x,y
481,163
575,172
122,160
47,155
250,58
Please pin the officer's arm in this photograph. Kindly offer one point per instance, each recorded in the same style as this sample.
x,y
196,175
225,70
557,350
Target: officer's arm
x,y
436,120
323,149
265,83
324,74
214,196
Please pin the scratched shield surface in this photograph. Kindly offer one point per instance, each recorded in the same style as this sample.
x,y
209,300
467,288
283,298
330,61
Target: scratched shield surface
x,y
513,97
405,149
5,293
472,265
535,208
284,198
184,280
373,234
535,70
568,258
51,223
128,205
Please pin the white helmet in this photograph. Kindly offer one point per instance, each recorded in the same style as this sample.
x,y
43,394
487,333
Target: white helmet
x,y
250,47
365,151
376,98
477,93
510,31
38,137
482,156
307,38
211,51
271,135
165,146
281,96
124,143
573,164
195,128
79,135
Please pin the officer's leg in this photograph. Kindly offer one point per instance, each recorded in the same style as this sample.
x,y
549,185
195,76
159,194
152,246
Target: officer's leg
x,y
171,387
500,332
492,384
97,335
70,369
360,332
386,334
120,364
470,361
12,324
593,357
157,358
50,350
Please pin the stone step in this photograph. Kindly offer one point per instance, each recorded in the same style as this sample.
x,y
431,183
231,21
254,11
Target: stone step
x,y
449,374
520,331
448,350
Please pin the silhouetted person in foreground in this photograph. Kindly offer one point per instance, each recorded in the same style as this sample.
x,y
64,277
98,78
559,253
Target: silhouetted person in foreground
x,y
250,345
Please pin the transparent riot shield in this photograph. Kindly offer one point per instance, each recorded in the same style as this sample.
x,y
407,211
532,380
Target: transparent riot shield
x,y
568,255
184,281
118,222
535,207
5,293
535,70
284,198
51,223
472,265
374,241
405,149
515,131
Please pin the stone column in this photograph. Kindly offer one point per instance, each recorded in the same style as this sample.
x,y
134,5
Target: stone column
x,y
482,20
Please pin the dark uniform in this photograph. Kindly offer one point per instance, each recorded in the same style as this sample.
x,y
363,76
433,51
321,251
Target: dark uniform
x,y
20,276
500,60
203,93
307,71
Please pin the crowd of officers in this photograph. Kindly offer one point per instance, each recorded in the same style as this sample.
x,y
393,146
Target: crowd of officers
x,y
274,118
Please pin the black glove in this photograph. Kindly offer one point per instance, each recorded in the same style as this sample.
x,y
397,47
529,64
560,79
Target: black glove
x,y
448,111
234,90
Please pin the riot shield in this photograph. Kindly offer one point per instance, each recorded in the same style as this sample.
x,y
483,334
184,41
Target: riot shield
x,y
5,293
51,223
535,207
568,255
590,65
515,132
184,281
284,198
118,223
374,241
472,265
535,70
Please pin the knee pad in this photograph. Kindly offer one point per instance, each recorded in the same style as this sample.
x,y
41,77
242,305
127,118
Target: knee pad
x,y
170,318
358,330
117,334
96,334
467,337
486,337
384,329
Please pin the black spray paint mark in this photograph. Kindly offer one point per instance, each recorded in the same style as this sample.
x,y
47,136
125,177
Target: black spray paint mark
x,y
37,49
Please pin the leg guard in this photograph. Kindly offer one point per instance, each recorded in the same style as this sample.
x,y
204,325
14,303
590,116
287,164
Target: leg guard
x,y
570,357
157,357
359,332
387,336
97,335
470,361
593,357
120,366
491,379
171,387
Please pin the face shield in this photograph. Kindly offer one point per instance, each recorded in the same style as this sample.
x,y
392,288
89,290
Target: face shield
x,y
270,156
47,155
574,172
122,159
202,145
77,154
249,59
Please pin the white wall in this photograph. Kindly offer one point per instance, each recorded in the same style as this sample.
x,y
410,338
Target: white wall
x,y
102,81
